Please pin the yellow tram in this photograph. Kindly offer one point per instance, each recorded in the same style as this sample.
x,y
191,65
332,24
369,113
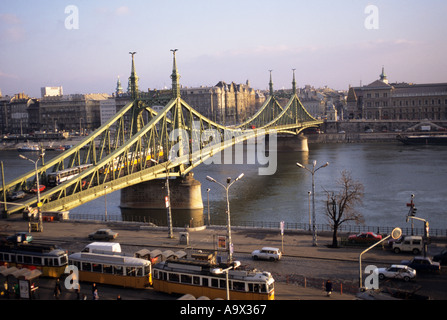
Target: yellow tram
x,y
112,269
50,260
198,279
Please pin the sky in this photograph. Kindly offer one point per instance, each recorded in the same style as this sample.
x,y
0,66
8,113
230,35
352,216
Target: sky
x,y
329,43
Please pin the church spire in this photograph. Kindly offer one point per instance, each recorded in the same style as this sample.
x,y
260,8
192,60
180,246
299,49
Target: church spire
x,y
271,83
133,79
293,83
119,88
175,76
383,76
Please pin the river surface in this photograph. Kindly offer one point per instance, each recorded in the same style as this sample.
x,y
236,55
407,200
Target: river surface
x,y
390,173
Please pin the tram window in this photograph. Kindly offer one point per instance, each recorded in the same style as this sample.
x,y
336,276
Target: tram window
x,y
263,288
131,271
97,267
238,285
196,280
63,260
223,284
27,259
118,270
139,272
86,266
37,261
1,257
205,282
19,259
49,262
186,279
147,270
107,269
164,276
214,283
253,287
77,264
174,277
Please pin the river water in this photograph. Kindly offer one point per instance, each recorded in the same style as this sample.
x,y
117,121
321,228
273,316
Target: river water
x,y
390,173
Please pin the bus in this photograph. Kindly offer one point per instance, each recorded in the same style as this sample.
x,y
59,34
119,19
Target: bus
x,y
118,270
197,278
58,177
50,260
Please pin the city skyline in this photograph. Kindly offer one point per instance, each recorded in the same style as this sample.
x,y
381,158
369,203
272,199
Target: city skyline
x,y
84,46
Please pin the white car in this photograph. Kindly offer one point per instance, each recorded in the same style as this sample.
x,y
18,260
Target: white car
x,y
397,271
267,253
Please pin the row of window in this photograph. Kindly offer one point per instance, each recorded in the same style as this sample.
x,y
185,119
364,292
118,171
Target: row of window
x,y
211,282
33,260
406,103
112,269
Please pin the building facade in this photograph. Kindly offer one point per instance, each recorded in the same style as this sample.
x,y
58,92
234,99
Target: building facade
x,y
381,100
224,103
19,114
71,113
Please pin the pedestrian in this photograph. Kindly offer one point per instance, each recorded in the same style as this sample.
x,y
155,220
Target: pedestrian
x,y
6,289
328,288
57,289
95,294
78,292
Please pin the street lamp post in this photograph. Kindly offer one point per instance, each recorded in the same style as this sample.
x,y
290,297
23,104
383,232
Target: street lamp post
x,y
229,184
39,205
105,203
314,228
426,231
167,199
220,271
308,200
395,234
208,200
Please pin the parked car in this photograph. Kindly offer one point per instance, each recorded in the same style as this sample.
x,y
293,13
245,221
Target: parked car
x,y
364,237
16,195
41,188
422,264
413,244
20,237
103,234
397,271
441,257
267,253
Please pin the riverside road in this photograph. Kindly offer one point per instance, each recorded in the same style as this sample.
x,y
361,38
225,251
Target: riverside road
x,y
299,275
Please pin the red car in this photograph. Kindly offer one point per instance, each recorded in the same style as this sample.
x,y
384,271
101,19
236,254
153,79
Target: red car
x,y
41,188
365,237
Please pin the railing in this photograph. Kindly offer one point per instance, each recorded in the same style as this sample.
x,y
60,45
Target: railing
x,y
346,228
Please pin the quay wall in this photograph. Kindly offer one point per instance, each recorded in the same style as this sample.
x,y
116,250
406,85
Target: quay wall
x,y
389,137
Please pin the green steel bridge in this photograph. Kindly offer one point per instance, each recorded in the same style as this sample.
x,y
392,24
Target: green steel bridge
x,y
139,144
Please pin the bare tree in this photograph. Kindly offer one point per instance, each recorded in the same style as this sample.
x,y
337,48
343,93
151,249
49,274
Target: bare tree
x,y
340,207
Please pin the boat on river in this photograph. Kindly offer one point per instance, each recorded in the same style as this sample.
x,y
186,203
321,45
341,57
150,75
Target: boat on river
x,y
423,139
28,148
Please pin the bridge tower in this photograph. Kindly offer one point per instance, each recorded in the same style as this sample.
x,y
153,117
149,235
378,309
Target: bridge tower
x,y
147,199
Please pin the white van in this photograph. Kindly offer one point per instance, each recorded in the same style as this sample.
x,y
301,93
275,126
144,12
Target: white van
x,y
103,247
409,243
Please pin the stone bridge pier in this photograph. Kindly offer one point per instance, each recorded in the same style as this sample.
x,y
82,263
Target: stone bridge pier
x,y
292,143
146,200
